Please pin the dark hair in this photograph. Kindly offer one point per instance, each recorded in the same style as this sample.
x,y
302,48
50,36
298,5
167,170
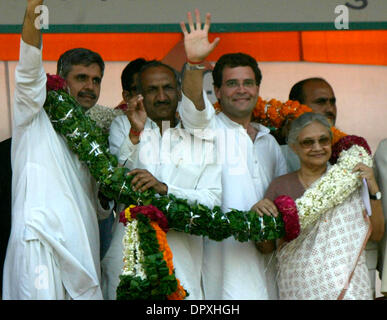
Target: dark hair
x,y
233,60
78,56
130,70
297,91
154,64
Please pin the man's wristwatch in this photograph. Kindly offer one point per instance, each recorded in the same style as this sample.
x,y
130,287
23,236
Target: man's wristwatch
x,y
193,67
376,196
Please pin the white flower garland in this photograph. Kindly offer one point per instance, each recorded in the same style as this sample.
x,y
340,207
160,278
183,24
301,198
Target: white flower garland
x,y
103,116
334,187
133,255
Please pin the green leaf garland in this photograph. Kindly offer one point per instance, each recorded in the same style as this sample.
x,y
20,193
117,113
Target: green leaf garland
x,y
88,141
159,283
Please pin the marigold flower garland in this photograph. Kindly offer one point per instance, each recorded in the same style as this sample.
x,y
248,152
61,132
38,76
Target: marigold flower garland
x,y
274,114
148,271
90,143
161,236
334,187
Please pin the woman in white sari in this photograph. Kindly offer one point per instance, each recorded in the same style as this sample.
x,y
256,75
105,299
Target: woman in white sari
x,y
327,260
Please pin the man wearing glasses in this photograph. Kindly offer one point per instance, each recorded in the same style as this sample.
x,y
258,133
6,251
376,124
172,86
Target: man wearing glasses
x,y
250,159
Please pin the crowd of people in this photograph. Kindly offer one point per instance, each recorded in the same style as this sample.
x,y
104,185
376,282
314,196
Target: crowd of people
x,y
66,236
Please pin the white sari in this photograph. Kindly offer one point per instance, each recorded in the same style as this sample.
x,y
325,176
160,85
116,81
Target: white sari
x,y
327,260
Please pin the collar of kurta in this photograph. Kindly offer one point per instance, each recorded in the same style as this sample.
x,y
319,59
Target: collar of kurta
x,y
262,130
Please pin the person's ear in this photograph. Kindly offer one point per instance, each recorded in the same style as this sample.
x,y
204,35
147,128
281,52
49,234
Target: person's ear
x,y
179,95
217,93
126,95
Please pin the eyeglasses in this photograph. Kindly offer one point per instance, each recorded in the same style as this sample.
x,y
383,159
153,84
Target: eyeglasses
x,y
309,143
232,83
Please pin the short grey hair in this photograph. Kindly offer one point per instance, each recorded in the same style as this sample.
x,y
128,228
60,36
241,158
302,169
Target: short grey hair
x,y
303,121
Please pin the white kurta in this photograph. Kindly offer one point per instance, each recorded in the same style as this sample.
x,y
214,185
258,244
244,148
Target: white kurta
x,y
53,250
177,159
235,270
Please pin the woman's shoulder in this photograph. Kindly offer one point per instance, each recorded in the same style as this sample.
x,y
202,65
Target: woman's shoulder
x,y
287,184
285,178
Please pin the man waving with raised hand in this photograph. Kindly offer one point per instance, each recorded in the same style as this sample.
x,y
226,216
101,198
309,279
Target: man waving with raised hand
x,y
53,251
250,159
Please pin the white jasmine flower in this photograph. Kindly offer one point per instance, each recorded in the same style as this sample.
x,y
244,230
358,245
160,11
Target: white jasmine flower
x,y
334,187
103,116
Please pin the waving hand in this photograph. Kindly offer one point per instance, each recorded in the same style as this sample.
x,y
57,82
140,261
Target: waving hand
x,y
197,46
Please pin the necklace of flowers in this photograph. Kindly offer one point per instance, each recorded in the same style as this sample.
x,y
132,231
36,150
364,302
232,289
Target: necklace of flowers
x,y
336,185
148,271
103,116
90,143
274,114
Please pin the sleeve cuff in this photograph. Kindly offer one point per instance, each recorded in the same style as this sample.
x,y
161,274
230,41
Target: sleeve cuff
x,y
175,191
127,149
193,118
30,57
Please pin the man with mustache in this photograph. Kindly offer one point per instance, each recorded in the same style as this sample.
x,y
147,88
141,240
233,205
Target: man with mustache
x,y
151,142
54,247
317,94
83,71
252,158
157,101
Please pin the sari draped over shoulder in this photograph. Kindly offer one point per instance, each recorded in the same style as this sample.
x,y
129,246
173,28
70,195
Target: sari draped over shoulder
x,y
327,260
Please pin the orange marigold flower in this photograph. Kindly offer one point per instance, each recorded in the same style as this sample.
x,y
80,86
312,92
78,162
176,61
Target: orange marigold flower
x,y
337,135
274,113
161,236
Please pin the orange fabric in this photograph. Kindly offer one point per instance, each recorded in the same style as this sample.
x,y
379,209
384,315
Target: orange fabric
x,y
111,46
264,46
356,47
9,46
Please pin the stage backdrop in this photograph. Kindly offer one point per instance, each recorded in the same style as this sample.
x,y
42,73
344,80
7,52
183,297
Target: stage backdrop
x,y
282,35
165,15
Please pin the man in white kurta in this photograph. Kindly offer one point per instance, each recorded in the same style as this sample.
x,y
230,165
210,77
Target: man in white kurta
x,y
53,251
179,160
250,159
235,270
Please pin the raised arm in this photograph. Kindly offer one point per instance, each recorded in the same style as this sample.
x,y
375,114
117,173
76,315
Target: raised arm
x,y
30,34
197,48
30,78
